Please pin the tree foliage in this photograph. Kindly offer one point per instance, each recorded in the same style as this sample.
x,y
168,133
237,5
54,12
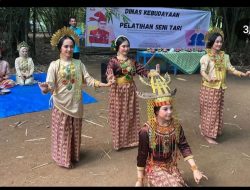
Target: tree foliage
x,y
16,23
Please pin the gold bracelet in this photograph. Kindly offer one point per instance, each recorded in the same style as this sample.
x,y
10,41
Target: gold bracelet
x,y
140,168
139,179
194,167
97,84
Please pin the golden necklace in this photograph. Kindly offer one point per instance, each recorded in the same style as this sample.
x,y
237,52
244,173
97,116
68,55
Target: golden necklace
x,y
127,68
165,129
217,58
24,64
122,60
68,74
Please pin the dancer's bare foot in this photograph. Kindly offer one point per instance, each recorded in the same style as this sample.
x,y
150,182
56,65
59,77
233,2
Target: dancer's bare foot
x,y
71,166
201,131
210,140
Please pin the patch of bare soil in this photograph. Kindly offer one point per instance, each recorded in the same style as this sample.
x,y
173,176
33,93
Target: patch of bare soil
x,y
25,157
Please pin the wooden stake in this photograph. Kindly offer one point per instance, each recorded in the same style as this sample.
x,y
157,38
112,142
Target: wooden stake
x,y
103,117
149,60
204,145
26,132
87,136
178,78
35,139
233,125
245,154
18,125
40,165
106,153
93,123
104,109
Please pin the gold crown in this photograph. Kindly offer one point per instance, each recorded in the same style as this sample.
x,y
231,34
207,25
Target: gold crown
x,y
161,93
22,44
162,101
213,30
65,31
159,86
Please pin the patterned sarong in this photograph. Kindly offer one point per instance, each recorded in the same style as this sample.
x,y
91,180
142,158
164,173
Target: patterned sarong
x,y
124,115
158,175
66,138
211,111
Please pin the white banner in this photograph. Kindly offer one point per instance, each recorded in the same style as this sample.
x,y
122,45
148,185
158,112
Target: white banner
x,y
148,27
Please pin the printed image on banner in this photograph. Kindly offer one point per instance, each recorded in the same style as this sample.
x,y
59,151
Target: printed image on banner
x,y
99,32
154,27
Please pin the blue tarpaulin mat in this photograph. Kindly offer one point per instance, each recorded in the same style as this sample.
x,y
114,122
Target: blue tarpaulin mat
x,y
28,99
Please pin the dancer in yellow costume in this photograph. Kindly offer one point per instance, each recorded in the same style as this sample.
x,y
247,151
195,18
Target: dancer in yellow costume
x,y
65,80
213,68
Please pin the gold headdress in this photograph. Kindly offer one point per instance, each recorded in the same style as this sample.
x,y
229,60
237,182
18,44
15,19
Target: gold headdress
x,y
211,31
22,44
65,31
161,95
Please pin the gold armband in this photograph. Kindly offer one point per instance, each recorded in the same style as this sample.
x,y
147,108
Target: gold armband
x,y
97,83
194,167
239,74
140,168
188,158
140,172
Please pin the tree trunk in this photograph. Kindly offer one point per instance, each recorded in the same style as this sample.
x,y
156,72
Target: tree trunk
x,y
34,31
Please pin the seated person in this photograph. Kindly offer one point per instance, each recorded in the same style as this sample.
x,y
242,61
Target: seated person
x,y
24,66
5,82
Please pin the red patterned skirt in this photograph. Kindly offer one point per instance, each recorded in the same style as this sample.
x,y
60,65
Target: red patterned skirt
x,y
124,115
66,138
158,175
211,111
